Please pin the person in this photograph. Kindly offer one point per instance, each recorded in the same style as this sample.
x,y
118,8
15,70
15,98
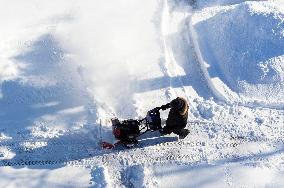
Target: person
x,y
177,118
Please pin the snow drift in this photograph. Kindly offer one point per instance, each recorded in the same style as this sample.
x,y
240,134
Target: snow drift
x,y
243,45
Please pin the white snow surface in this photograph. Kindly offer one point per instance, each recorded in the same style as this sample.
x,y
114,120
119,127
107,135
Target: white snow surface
x,y
68,66
243,46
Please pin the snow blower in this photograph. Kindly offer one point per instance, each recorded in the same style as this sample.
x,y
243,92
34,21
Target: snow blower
x,y
127,131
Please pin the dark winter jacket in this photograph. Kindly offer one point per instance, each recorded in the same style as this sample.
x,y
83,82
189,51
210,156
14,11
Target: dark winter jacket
x,y
178,115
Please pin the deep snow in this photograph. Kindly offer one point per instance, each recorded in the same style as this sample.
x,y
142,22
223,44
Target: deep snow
x,y
243,46
68,66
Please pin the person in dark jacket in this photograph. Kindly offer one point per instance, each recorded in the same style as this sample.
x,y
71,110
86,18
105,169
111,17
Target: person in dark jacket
x,y
177,118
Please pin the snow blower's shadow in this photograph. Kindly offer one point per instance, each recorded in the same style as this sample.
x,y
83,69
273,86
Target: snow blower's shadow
x,y
55,152
77,145
154,138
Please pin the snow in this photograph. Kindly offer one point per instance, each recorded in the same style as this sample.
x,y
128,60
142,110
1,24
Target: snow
x,y
68,67
243,46
49,177
221,175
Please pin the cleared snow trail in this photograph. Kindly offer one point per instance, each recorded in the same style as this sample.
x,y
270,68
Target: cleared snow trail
x,y
179,46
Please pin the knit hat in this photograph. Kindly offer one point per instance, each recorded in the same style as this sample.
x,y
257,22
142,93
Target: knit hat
x,y
177,104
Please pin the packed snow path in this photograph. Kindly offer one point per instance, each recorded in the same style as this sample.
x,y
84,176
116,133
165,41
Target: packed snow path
x,y
222,150
181,56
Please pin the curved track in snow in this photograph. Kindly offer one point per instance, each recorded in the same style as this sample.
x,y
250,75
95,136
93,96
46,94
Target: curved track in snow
x,y
156,149
182,55
184,63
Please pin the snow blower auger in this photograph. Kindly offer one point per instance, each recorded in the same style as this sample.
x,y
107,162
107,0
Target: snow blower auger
x,y
127,131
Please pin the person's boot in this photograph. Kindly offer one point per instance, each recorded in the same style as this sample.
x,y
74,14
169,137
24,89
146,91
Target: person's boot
x,y
182,133
162,132
165,131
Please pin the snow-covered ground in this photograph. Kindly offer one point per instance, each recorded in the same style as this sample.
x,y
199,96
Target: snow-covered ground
x,y
68,66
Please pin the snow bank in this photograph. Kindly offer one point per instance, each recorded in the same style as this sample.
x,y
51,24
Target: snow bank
x,y
244,46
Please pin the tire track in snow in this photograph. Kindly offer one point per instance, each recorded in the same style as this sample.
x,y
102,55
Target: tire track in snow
x,y
181,151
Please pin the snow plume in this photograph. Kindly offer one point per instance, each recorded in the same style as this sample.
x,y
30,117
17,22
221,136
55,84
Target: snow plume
x,y
7,70
113,41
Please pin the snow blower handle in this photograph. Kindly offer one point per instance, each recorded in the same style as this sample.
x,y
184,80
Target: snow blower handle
x,y
155,109
153,119
164,107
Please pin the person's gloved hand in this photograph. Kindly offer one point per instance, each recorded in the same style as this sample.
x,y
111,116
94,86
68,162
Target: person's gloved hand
x,y
156,109
164,107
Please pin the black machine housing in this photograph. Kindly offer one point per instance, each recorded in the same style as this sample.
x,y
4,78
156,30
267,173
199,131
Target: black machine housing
x,y
128,130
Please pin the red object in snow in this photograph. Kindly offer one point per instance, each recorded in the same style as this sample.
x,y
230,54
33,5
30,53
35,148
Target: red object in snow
x,y
106,145
116,132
